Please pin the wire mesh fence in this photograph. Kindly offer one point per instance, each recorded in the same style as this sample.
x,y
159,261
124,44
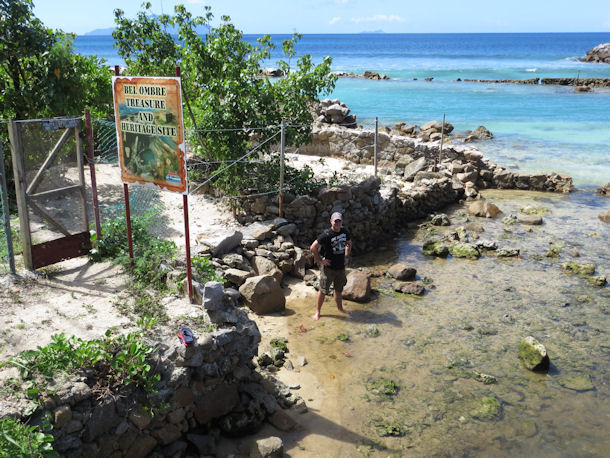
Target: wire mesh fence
x,y
7,261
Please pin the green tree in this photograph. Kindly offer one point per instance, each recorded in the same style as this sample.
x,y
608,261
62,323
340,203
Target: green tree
x,y
221,80
40,75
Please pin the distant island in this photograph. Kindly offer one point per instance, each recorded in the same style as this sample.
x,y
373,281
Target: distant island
x,y
106,31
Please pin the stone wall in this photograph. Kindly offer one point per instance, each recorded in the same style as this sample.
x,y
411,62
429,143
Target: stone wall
x,y
206,389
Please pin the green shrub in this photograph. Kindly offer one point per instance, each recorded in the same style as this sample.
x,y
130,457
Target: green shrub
x,y
118,361
19,440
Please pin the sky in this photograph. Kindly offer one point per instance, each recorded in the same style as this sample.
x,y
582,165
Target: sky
x,y
350,16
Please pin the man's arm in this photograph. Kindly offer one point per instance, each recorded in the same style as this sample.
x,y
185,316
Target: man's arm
x,y
315,250
348,250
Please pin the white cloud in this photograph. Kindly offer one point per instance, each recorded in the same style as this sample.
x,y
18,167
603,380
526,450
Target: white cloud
x,y
378,18
342,2
334,20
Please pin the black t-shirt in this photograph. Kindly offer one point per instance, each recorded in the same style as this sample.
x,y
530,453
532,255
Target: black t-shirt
x,y
332,247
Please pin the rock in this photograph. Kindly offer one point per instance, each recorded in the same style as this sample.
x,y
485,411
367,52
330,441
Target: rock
x,y
264,266
598,281
401,271
282,421
104,418
577,383
288,229
206,445
414,167
61,416
604,216
481,133
508,252
411,287
263,294
484,208
579,268
226,244
270,447
140,419
271,72
167,434
489,408
531,220
236,276
440,220
434,247
216,403
464,250
358,287
600,53
533,355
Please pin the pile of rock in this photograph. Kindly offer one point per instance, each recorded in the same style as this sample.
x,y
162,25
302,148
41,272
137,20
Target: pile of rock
x,y
333,111
430,131
600,54
366,75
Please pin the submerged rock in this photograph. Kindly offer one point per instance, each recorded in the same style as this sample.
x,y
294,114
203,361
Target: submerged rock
x,y
489,408
531,220
484,209
410,287
464,250
401,271
577,383
533,355
435,247
604,216
579,268
508,252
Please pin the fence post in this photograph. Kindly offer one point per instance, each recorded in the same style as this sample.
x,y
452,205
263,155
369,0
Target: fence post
x,y
96,204
282,146
6,210
440,152
117,72
375,146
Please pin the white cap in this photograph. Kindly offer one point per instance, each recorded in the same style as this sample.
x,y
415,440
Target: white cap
x,y
335,216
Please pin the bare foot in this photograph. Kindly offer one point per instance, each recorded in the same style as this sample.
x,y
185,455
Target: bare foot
x,y
316,316
342,310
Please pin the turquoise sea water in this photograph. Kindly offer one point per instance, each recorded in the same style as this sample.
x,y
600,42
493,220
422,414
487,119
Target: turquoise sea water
x,y
537,128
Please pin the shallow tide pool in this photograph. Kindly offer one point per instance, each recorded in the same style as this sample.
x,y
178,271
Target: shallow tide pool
x,y
470,322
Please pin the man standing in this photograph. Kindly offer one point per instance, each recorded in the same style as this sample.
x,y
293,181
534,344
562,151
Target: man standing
x,y
331,251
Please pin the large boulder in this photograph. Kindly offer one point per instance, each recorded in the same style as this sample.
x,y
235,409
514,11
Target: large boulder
x,y
484,208
401,271
414,167
263,294
533,355
358,287
604,216
464,250
410,287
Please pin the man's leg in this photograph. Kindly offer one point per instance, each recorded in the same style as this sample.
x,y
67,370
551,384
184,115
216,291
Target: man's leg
x,y
319,303
339,300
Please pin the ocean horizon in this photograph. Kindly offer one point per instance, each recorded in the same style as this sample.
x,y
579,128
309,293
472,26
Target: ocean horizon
x,y
536,128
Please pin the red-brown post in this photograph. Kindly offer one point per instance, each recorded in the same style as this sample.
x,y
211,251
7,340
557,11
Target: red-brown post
x,y
96,205
126,194
185,206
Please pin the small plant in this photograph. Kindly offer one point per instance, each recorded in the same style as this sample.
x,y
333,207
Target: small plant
x,y
372,331
343,337
205,270
20,440
279,342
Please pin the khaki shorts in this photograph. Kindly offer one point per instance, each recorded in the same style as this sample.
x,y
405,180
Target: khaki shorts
x,y
333,277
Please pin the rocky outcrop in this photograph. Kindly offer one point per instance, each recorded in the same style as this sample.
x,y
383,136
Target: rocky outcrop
x,y
590,82
333,111
600,53
526,81
367,75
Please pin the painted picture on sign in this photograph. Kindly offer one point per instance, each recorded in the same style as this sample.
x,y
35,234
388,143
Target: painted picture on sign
x,y
150,131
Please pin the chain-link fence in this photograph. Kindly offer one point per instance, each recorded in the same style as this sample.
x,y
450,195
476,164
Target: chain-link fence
x,y
7,261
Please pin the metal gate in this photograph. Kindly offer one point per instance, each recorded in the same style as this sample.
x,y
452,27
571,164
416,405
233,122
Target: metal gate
x,y
50,189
